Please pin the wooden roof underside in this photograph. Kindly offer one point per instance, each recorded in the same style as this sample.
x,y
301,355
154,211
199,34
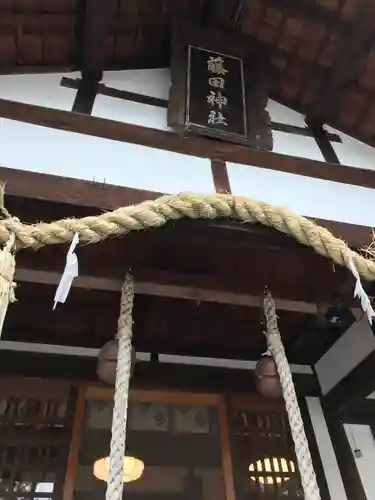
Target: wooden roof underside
x,y
323,51
182,254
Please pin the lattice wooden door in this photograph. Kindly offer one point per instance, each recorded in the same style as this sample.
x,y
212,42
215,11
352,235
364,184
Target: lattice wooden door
x,y
263,452
34,439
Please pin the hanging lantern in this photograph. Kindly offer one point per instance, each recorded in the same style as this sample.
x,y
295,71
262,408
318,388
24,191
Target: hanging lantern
x,y
107,362
267,379
132,469
266,367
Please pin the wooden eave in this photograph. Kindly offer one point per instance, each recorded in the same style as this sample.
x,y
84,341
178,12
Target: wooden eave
x,y
310,44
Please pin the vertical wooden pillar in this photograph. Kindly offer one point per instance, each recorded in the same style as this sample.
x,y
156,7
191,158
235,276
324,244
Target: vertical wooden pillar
x,y
75,442
226,456
220,176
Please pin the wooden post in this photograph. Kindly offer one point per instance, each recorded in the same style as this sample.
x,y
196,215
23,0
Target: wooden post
x,y
226,457
75,442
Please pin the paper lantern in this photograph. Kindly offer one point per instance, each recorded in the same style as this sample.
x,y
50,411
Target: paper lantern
x,y
107,362
133,469
267,378
266,367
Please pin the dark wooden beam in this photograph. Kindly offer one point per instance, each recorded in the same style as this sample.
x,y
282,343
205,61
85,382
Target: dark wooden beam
x,y
196,146
304,131
97,18
147,375
220,176
72,83
85,97
321,137
361,411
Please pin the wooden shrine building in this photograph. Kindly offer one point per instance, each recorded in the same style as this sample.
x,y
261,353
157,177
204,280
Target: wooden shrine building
x,y
106,104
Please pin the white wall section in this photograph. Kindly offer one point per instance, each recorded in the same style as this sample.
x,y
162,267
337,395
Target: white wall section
x,y
41,90
130,112
360,437
352,152
57,152
327,454
349,350
151,82
304,195
283,114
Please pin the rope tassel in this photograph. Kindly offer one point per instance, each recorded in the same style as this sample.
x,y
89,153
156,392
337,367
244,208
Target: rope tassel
x,y
120,408
7,285
275,346
7,263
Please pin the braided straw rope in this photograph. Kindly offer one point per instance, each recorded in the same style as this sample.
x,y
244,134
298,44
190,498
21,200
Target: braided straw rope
x,y
275,346
120,409
152,214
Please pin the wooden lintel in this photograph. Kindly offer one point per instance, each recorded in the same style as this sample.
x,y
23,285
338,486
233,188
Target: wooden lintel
x,y
196,146
147,376
82,193
126,95
166,288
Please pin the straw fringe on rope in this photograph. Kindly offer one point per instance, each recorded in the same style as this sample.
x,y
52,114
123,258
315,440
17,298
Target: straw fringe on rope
x,y
152,214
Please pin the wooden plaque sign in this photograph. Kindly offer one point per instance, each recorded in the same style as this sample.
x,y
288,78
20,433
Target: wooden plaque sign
x,y
218,87
215,92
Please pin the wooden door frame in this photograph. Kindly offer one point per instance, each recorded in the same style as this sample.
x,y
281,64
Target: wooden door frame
x,y
86,392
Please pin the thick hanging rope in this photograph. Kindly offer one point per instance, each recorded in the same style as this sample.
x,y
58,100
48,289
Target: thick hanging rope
x,y
120,408
276,348
157,213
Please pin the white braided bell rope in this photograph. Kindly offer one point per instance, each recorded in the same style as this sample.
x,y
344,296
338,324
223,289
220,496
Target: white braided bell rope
x,y
275,346
120,407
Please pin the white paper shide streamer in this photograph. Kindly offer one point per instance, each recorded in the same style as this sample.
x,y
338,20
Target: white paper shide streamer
x,y
70,272
361,294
